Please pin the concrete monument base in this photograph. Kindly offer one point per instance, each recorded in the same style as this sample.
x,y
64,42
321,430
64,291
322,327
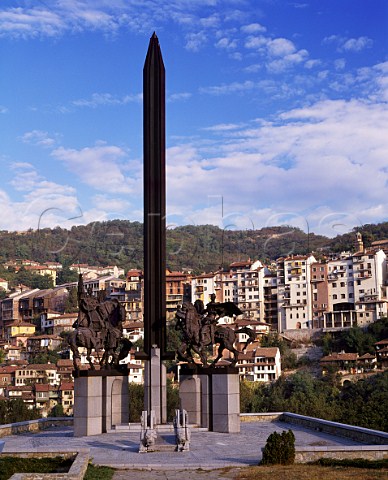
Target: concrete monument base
x,y
211,397
100,401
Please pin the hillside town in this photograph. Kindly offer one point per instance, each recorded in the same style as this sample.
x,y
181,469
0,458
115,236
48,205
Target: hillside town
x,y
297,298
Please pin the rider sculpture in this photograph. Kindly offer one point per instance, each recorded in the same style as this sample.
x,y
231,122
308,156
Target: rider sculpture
x,y
200,329
98,326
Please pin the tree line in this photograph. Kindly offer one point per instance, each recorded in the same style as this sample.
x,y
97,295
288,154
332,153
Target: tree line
x,y
198,248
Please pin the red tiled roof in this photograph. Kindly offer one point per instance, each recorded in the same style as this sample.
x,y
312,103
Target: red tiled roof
x,y
42,387
336,357
43,366
64,362
8,369
66,386
20,388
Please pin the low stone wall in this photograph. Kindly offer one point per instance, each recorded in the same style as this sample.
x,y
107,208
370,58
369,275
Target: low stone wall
x,y
358,434
367,452
33,425
76,472
260,417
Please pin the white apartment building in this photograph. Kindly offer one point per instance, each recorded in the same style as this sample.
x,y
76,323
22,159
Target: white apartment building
x,y
250,288
340,290
294,292
370,289
202,286
260,364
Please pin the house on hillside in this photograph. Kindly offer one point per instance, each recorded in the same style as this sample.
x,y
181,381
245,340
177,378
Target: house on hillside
x,y
382,352
348,362
66,397
260,364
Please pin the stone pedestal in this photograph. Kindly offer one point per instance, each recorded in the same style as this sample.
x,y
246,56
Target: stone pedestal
x,y
155,387
211,397
100,401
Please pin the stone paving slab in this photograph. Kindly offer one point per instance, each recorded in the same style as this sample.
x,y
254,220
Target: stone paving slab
x,y
177,474
208,450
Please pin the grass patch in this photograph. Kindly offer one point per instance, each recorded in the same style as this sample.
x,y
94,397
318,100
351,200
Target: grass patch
x,y
353,463
11,465
310,472
98,473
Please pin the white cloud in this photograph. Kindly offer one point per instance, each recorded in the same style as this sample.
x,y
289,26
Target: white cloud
x,y
308,164
3,109
223,127
253,28
227,89
195,41
349,44
175,97
357,44
226,44
340,64
98,167
256,42
39,138
280,47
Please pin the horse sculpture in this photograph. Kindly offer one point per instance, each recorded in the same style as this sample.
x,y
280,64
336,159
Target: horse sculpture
x,y
200,331
98,327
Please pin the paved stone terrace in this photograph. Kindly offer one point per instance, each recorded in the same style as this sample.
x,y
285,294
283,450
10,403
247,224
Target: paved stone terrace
x,y
208,450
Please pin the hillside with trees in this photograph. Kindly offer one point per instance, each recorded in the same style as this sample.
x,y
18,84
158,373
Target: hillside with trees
x,y
198,248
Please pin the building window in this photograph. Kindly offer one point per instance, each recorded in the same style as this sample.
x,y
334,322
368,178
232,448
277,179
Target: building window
x,y
334,297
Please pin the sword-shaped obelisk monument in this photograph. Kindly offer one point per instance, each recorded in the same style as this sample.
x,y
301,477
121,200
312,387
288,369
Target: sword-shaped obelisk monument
x,y
154,131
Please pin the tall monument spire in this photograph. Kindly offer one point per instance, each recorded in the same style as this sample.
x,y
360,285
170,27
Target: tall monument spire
x,y
154,132
154,198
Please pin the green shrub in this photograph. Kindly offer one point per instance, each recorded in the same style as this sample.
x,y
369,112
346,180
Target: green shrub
x,y
279,449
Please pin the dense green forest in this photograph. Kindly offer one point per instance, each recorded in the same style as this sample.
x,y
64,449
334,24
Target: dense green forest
x,y
198,248
363,403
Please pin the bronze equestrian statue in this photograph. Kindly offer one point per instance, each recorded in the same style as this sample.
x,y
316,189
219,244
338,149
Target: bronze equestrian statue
x,y
199,328
99,326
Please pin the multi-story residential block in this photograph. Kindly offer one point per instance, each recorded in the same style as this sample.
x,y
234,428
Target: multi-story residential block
x,y
65,370
36,373
24,392
319,292
91,272
249,278
9,309
19,329
134,295
271,299
340,284
43,301
55,324
260,364
66,397
370,287
203,286
294,293
178,290
43,270
43,343
46,397
7,378
381,348
134,331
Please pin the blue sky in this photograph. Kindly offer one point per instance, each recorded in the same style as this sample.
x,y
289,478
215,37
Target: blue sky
x,y
276,111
